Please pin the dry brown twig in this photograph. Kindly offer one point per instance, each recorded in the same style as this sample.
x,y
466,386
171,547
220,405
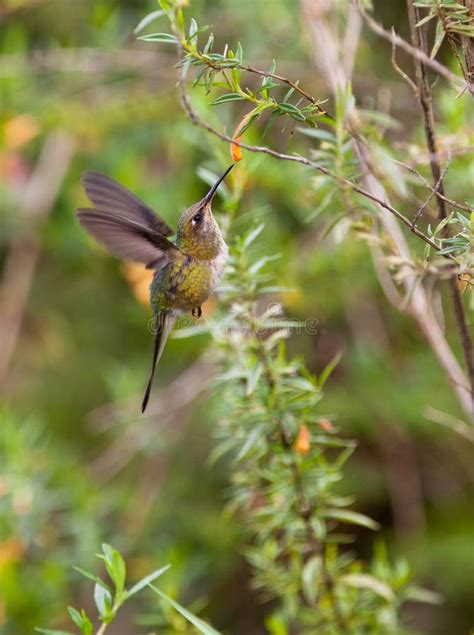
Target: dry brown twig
x,y
327,58
433,192
425,99
427,184
468,49
413,51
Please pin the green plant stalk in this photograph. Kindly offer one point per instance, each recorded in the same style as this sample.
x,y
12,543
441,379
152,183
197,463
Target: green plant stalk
x,y
304,508
270,476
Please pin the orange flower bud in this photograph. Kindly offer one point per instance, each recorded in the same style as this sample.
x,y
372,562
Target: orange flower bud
x,y
235,150
303,441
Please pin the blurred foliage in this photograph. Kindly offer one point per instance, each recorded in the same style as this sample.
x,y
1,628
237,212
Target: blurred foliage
x,y
287,461
110,596
73,388
50,511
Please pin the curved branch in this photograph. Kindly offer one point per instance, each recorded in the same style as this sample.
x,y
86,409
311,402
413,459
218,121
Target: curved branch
x,y
197,121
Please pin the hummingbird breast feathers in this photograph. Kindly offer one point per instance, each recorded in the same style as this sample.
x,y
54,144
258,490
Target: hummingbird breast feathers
x,y
186,282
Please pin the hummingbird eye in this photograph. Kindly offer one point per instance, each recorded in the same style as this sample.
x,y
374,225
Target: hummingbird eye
x,y
197,218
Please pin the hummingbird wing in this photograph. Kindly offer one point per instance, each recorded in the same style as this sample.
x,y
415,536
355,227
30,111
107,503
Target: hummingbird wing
x,y
127,238
109,196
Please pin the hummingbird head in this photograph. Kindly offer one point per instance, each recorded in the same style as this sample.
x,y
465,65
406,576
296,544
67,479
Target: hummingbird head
x,y
198,233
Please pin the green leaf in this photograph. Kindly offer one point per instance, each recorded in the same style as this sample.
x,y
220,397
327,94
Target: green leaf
x,y
366,581
310,574
275,114
250,441
273,288
147,580
252,236
328,369
426,19
291,110
209,44
92,577
323,205
148,19
87,627
418,594
439,38
76,617
239,54
201,626
266,81
48,632
354,518
266,87
81,620
103,601
167,38
252,378
225,98
289,93
317,133
261,262
193,28
115,565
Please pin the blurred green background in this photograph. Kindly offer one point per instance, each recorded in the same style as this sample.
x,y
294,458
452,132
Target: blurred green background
x,y
77,464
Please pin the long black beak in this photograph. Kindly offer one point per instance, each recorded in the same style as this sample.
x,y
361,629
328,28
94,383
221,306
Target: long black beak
x,y
208,198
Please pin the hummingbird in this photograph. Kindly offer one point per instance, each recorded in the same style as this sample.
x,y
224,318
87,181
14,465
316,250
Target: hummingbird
x,y
186,269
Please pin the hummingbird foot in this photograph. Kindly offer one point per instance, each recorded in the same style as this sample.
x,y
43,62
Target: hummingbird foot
x,y
197,311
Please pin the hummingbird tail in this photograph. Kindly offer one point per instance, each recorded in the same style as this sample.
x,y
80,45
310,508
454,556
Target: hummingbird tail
x,y
164,324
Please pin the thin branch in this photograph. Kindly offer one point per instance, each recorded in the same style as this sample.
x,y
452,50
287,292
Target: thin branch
x,y
426,103
425,157
463,429
256,71
437,188
452,42
398,69
328,62
414,51
468,49
288,82
385,279
196,120
427,184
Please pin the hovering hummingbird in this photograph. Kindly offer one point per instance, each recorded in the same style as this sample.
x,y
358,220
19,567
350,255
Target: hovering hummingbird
x,y
186,269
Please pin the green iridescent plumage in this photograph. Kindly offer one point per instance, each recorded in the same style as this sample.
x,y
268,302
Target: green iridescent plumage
x,y
186,271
